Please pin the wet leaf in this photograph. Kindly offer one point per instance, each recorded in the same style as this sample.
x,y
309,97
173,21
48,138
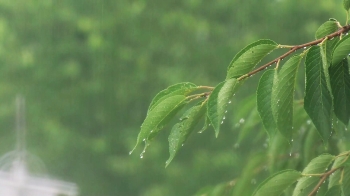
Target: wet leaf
x,y
318,100
263,96
183,88
159,116
340,82
247,58
283,95
218,100
317,165
277,183
181,130
341,50
326,29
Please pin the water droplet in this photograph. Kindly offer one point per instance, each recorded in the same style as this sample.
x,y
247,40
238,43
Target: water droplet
x,y
229,101
144,139
308,122
130,152
346,128
226,111
141,156
236,145
305,47
241,120
182,144
253,181
224,118
222,122
292,140
290,154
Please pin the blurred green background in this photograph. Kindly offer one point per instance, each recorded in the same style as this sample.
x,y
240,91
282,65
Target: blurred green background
x,y
89,68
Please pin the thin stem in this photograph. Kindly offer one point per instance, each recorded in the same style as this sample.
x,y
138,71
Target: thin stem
x,y
341,31
197,96
206,87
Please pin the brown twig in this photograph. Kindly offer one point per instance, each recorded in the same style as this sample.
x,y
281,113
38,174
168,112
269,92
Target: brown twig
x,y
324,177
341,31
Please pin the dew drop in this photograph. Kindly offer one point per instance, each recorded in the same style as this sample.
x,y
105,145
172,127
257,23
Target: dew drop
x,y
290,154
141,156
130,152
236,145
253,181
224,118
229,101
241,120
144,139
304,47
182,144
308,122
226,111
222,122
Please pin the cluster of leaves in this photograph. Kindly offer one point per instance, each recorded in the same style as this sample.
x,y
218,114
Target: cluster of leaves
x,y
326,99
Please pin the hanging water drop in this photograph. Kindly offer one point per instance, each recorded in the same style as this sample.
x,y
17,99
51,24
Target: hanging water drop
x,y
236,145
308,122
224,118
253,181
229,101
222,122
241,120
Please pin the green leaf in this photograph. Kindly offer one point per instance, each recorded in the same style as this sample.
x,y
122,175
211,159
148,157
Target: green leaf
x,y
263,96
346,4
183,88
247,58
277,183
346,181
326,29
317,100
317,165
341,50
158,117
326,54
218,100
340,82
181,130
334,179
335,190
283,96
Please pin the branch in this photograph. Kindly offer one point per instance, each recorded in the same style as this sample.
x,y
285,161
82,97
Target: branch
x,y
341,31
324,177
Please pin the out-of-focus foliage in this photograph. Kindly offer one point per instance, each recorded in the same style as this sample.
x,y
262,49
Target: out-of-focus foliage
x,y
89,69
